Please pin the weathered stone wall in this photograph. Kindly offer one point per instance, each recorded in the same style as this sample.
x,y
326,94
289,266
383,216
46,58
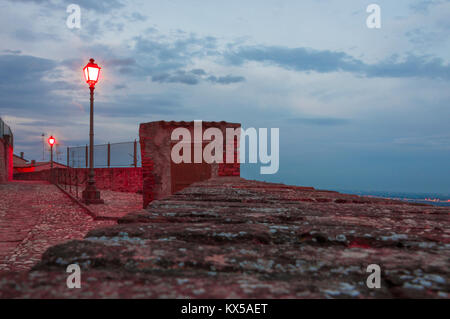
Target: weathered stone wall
x,y
6,160
156,146
33,176
233,238
127,180
121,179
3,172
230,169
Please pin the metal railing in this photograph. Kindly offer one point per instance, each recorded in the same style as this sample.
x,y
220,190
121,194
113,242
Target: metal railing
x,y
5,130
72,180
74,177
125,154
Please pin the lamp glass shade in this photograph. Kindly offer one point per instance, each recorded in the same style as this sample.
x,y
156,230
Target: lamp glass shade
x,y
51,140
91,73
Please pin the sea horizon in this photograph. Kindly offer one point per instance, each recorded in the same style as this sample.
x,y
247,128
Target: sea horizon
x,y
431,198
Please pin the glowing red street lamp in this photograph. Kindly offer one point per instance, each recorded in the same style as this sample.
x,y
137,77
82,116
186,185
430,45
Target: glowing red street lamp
x,y
91,73
51,141
91,195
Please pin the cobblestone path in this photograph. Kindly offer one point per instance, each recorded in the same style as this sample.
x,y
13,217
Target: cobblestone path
x,y
33,217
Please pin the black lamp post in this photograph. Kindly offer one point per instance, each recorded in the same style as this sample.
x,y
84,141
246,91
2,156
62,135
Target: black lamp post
x,y
51,141
91,194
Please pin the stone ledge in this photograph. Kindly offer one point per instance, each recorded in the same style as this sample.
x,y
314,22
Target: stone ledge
x,y
233,238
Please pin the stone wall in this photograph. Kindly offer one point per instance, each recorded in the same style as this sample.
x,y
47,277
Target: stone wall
x,y
233,238
126,179
161,177
6,160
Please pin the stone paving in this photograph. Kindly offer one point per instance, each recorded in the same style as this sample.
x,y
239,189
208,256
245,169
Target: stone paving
x,y
33,217
117,204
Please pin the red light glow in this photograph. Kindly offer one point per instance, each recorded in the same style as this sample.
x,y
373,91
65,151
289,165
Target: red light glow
x,y
91,73
51,140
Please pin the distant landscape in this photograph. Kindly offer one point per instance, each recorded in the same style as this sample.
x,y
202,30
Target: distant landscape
x,y
436,199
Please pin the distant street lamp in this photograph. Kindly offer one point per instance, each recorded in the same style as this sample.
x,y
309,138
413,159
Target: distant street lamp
x,y
51,141
91,195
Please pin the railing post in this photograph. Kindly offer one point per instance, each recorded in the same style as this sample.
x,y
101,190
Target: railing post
x,y
135,154
67,167
87,156
109,155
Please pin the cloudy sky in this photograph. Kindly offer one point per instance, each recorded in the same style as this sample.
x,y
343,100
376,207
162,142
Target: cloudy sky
x,y
358,108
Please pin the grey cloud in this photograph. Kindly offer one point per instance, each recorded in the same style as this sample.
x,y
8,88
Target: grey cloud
x,y
141,106
165,59
72,64
162,58
304,59
48,123
98,5
136,16
8,51
162,54
194,77
422,38
22,68
113,26
119,62
320,121
24,76
33,1
423,6
178,77
412,66
439,142
299,59
199,72
108,59
30,36
226,79
101,6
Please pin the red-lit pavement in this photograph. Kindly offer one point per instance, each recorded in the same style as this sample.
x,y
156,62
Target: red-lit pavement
x,y
33,217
